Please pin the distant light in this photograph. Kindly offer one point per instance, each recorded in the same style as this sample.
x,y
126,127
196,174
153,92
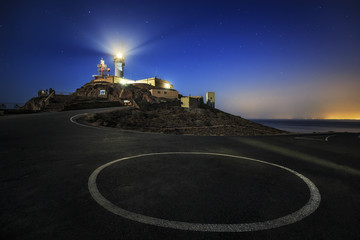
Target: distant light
x,y
167,85
119,55
123,82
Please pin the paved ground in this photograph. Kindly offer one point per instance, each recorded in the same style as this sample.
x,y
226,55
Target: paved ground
x,y
46,162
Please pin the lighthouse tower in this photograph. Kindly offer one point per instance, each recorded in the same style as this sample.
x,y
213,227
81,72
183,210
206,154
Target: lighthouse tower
x,y
119,62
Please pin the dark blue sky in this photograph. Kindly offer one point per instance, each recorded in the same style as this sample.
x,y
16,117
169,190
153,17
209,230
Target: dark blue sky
x,y
264,59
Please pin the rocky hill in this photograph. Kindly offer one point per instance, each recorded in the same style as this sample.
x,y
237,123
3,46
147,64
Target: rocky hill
x,y
147,113
171,118
88,97
67,102
115,92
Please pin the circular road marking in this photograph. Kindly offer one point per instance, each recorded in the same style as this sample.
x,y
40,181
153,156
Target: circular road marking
x,y
306,210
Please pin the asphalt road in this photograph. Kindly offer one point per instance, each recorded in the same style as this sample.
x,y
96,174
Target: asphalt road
x,y
47,160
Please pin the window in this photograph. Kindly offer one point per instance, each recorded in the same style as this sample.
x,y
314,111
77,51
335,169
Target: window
x,y
159,92
165,92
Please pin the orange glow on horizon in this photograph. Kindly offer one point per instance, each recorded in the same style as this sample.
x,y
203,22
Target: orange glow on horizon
x,y
347,116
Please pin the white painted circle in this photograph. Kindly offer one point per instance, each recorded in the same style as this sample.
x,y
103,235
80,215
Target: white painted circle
x,y
306,210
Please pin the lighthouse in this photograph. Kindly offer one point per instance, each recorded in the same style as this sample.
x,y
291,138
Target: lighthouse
x,y
119,62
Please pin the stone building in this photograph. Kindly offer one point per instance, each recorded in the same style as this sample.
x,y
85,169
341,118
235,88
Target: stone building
x,y
164,93
156,82
191,102
210,99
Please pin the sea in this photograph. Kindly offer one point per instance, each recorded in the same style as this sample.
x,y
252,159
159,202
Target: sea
x,y
311,125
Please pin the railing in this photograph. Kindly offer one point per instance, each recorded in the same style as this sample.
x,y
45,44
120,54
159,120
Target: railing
x,y
47,100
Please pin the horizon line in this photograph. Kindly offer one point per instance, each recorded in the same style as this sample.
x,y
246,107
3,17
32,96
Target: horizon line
x,y
353,119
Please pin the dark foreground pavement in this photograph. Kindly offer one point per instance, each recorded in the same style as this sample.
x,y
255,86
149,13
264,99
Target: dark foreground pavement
x,y
46,162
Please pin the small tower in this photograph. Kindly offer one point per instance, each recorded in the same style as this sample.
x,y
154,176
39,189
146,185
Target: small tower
x,y
119,62
210,99
102,68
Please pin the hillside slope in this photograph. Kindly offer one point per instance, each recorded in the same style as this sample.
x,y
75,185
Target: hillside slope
x,y
170,118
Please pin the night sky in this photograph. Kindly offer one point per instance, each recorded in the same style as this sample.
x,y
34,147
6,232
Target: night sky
x,y
263,59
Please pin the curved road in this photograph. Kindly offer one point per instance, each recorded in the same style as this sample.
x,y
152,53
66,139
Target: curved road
x,y
46,162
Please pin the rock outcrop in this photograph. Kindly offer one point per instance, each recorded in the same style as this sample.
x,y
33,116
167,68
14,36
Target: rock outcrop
x,y
67,102
171,118
35,104
89,96
117,92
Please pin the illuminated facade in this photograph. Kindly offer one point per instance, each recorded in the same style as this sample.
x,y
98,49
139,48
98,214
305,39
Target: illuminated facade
x,y
156,82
